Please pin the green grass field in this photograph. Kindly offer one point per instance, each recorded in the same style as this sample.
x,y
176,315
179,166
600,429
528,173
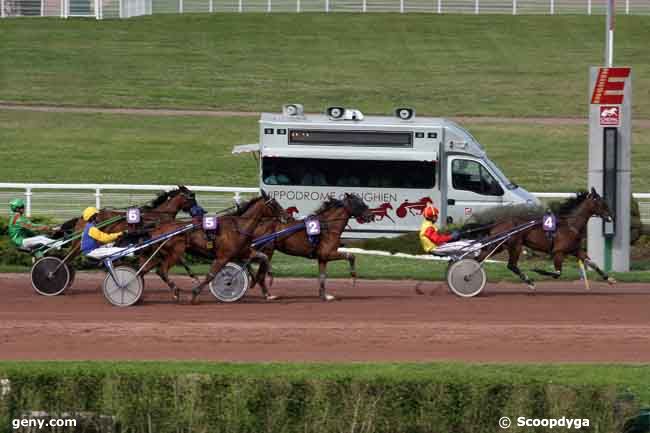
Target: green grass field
x,y
440,64
103,148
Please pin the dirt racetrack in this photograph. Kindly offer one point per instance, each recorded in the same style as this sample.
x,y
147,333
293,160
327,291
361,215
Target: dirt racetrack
x,y
374,321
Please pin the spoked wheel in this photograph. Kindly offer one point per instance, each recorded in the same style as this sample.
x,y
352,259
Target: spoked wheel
x,y
50,276
231,283
466,278
127,290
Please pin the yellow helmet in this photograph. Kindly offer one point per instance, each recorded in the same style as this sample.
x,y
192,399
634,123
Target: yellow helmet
x,y
89,212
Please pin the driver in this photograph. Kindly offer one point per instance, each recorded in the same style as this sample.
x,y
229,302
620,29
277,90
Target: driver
x,y
22,231
432,241
93,238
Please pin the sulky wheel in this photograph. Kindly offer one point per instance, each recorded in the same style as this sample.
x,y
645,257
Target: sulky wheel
x,y
127,290
466,278
50,276
231,283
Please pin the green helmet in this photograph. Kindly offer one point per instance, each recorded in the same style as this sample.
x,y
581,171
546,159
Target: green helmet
x,y
16,204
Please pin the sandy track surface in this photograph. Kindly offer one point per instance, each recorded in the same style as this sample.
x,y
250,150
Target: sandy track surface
x,y
374,321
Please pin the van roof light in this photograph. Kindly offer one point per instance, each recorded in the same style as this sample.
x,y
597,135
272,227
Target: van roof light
x,y
293,110
405,113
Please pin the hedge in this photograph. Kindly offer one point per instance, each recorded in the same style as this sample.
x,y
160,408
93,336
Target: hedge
x,y
391,398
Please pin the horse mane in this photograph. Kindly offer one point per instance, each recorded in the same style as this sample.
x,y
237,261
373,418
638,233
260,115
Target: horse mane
x,y
239,211
328,204
570,204
162,197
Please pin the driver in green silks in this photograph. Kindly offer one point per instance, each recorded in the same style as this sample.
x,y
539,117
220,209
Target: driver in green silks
x,y
22,231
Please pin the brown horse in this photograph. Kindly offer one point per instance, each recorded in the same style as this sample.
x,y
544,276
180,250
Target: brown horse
x,y
333,216
231,241
164,207
567,240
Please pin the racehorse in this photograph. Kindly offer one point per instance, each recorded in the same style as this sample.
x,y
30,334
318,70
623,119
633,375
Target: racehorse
x,y
231,241
333,216
571,230
164,207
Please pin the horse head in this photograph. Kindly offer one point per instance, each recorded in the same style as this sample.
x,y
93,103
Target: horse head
x,y
185,197
598,206
356,207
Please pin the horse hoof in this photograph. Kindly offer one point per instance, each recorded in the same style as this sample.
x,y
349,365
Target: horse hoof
x,y
327,297
195,299
531,287
271,297
418,290
611,281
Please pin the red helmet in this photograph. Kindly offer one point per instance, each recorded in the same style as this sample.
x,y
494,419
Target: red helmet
x,y
430,212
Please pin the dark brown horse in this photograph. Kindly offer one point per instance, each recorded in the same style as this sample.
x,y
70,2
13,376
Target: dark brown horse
x,y
333,216
230,242
567,240
164,207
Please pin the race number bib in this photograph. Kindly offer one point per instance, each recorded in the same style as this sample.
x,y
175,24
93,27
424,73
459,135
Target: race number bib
x,y
313,227
133,215
210,223
549,223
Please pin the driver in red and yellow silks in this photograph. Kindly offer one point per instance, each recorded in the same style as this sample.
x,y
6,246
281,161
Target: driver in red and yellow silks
x,y
429,236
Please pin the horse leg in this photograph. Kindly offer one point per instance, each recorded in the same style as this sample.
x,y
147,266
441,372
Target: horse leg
x,y
262,272
514,251
353,270
581,255
322,278
558,258
188,270
216,266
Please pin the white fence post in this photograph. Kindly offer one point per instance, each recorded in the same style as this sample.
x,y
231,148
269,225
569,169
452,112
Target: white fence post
x,y
28,201
211,6
401,6
514,7
2,8
297,5
268,6
180,6
627,7
364,6
120,9
98,198
240,6
588,7
439,6
476,7
552,7
42,8
327,6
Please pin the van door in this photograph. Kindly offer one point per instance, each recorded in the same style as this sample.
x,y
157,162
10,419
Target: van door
x,y
472,188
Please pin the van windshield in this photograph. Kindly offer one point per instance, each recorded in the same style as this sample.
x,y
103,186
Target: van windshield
x,y
498,173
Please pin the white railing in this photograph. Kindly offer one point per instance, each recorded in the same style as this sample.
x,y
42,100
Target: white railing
x,y
67,200
101,9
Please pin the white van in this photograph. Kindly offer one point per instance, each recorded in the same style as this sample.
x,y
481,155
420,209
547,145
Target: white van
x,y
397,164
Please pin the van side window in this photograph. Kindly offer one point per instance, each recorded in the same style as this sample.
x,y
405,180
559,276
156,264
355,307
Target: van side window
x,y
349,173
468,175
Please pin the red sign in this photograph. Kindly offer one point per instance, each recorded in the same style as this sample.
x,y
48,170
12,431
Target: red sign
x,y
610,85
610,115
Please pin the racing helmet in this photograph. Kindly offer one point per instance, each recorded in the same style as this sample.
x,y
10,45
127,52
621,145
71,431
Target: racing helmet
x,y
16,204
430,212
89,212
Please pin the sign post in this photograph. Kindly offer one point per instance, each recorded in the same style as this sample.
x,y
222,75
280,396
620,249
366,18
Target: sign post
x,y
610,144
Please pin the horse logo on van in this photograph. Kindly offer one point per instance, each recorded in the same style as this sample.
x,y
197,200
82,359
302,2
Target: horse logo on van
x,y
413,208
380,213
609,115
